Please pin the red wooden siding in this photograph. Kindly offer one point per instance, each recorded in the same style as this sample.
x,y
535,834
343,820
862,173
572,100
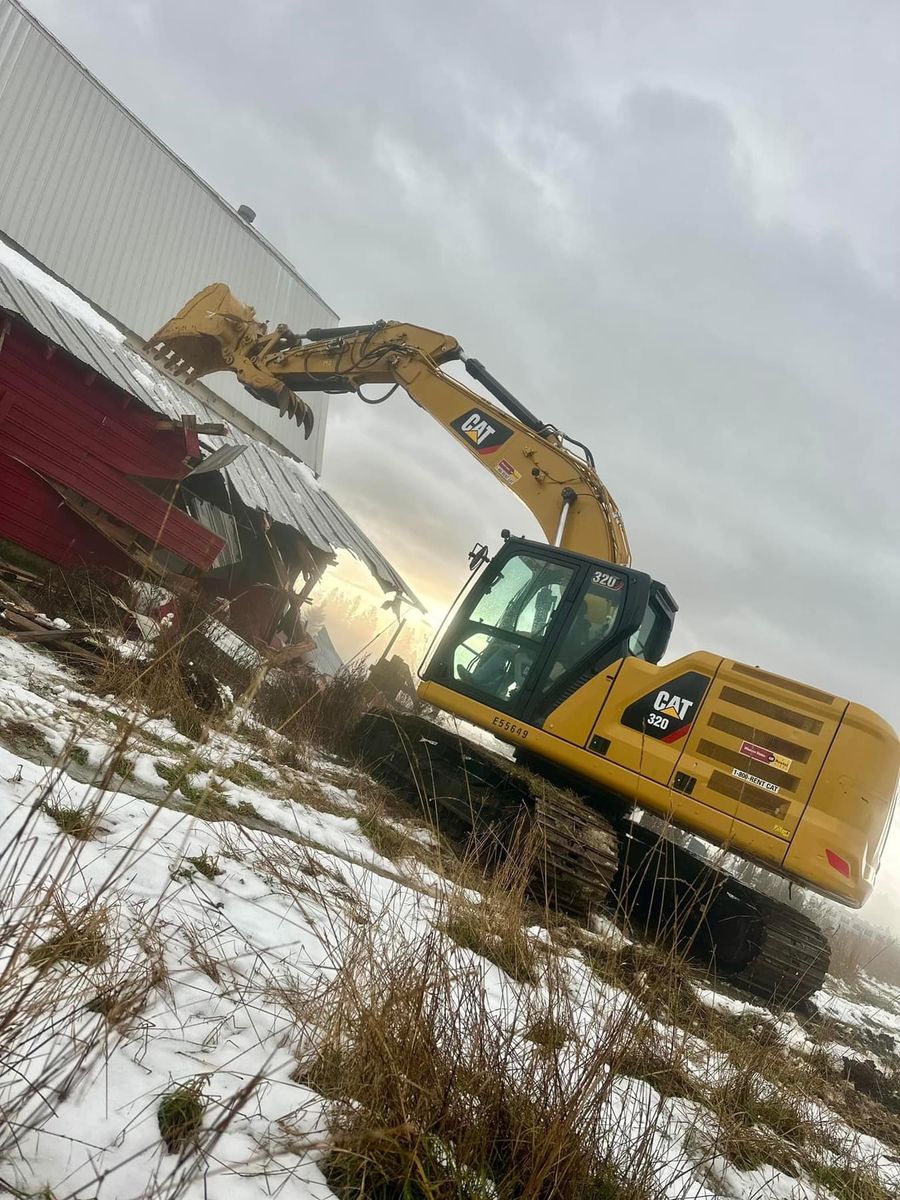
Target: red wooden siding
x,y
33,515
91,437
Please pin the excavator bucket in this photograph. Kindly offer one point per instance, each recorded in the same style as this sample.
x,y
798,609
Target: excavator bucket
x,y
213,332
204,336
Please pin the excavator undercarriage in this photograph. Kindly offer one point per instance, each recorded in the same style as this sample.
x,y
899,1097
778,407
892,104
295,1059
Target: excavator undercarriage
x,y
584,861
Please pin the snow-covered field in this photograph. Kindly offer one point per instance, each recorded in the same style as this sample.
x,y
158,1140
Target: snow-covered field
x,y
149,949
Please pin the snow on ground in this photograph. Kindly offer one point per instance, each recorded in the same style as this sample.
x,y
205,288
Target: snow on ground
x,y
852,1012
222,928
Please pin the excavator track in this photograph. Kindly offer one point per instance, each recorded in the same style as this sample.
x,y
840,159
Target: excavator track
x,y
756,943
792,956
485,801
583,862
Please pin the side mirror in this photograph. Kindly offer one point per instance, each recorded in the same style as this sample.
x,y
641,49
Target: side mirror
x,y
478,556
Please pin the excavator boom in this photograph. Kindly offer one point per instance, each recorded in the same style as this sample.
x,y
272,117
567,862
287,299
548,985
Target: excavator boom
x,y
553,476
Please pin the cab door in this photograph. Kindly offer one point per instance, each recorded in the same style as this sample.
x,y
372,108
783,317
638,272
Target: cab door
x,y
495,646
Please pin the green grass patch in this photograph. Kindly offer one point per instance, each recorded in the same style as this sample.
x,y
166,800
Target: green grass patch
x,y
385,839
849,1182
244,774
204,864
179,780
180,1116
122,765
80,823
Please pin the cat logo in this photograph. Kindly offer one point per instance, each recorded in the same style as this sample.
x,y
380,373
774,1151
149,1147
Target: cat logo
x,y
668,713
484,435
672,706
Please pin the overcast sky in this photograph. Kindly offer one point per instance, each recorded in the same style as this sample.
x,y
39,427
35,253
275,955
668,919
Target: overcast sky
x,y
672,229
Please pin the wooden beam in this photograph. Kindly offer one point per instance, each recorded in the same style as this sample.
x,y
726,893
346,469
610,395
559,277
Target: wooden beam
x,y
166,426
22,622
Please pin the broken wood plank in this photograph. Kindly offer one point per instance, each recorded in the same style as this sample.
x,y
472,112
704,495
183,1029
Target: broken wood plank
x,y
41,621
37,635
204,427
26,623
10,593
288,654
9,571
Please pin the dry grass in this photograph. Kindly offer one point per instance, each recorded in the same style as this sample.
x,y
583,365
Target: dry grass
x,y
124,987
386,839
76,937
487,930
204,954
83,597
312,796
314,712
80,821
178,679
75,980
432,1092
645,1057
848,1182
25,739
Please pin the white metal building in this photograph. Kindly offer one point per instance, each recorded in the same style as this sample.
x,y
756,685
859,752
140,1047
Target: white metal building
x,y
90,192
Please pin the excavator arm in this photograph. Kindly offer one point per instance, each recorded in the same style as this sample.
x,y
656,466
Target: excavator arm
x,y
550,473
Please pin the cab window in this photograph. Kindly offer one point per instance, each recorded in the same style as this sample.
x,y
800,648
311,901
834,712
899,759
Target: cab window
x,y
644,642
524,597
497,645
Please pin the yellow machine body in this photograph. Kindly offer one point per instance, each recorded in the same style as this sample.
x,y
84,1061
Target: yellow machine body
x,y
800,781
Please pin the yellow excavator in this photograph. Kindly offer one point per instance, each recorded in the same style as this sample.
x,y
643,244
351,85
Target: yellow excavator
x,y
555,648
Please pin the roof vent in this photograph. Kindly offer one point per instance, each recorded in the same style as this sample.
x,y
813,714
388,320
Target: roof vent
x,y
247,213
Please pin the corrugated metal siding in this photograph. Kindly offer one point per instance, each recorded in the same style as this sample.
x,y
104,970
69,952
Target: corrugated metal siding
x,y
79,436
89,191
262,477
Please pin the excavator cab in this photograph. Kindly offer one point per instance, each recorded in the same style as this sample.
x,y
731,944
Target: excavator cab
x,y
539,621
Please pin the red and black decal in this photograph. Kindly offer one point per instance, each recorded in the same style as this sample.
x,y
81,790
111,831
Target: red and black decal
x,y
668,712
483,433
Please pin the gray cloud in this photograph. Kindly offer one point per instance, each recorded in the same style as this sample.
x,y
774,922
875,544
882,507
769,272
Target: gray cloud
x,y
673,237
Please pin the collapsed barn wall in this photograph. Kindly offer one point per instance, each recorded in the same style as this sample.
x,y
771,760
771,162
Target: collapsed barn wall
x,y
105,462
84,449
